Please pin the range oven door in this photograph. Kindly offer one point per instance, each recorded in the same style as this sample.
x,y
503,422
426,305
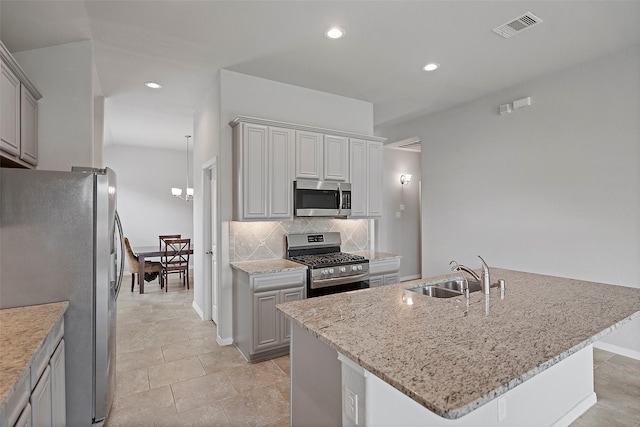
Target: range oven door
x,y
321,198
320,287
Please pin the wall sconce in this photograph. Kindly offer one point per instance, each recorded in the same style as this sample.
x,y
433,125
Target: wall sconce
x,y
405,179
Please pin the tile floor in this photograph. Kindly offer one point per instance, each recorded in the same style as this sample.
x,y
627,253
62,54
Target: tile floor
x,y
171,372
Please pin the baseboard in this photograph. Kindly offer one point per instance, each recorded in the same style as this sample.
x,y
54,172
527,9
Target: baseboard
x,y
223,341
198,310
407,278
576,411
623,351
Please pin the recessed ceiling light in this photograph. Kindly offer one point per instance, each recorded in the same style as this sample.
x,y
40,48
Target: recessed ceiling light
x,y
431,66
153,85
334,33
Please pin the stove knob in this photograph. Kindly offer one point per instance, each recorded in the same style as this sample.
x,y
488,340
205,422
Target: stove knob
x,y
331,271
354,268
359,268
343,269
325,272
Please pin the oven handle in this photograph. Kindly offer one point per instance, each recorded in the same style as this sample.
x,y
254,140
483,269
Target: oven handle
x,y
323,283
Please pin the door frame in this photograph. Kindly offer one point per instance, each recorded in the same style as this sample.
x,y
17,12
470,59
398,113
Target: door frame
x,y
211,227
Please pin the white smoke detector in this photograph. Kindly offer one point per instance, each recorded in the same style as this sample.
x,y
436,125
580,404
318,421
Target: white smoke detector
x,y
517,25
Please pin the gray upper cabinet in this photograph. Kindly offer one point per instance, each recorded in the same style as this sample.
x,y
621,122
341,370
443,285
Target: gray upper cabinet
x,y
269,155
263,162
366,178
18,114
336,158
309,155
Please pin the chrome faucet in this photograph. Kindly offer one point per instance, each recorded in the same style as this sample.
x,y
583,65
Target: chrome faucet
x,y
485,280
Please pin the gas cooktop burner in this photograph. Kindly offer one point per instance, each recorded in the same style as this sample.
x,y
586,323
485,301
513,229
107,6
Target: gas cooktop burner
x,y
329,259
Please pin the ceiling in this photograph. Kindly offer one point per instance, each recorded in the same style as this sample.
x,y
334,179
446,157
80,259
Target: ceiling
x,y
182,44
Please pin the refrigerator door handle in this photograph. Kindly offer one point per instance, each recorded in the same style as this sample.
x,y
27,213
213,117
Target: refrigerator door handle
x,y
121,238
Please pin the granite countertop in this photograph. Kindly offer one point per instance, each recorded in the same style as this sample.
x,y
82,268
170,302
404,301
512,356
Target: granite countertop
x,y
376,256
22,332
267,266
452,357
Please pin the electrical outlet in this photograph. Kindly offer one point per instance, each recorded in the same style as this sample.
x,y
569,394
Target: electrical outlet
x,y
351,405
398,215
502,409
401,207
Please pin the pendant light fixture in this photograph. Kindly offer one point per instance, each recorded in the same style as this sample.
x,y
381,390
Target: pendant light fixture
x,y
177,192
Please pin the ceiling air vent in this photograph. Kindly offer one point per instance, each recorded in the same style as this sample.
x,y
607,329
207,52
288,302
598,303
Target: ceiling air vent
x,y
513,27
411,144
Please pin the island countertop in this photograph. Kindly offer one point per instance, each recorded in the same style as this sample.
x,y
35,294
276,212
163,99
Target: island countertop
x,y
22,332
453,357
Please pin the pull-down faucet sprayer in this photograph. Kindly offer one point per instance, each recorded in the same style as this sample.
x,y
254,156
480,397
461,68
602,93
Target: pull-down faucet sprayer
x,y
485,280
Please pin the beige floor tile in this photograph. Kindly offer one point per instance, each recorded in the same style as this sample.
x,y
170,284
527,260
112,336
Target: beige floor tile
x,y
600,356
257,407
617,386
602,416
283,363
127,345
202,391
160,338
142,408
189,348
134,381
221,359
255,375
284,387
205,416
138,359
206,329
176,371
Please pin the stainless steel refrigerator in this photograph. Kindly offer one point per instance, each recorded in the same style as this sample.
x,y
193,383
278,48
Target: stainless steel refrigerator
x,y
60,239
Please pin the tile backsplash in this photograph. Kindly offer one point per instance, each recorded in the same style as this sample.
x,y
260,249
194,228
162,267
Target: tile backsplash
x,y
265,240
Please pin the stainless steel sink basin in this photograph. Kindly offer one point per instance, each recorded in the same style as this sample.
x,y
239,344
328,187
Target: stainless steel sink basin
x,y
446,289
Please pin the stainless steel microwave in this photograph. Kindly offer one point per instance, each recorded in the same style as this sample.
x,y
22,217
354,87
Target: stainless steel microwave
x,y
321,198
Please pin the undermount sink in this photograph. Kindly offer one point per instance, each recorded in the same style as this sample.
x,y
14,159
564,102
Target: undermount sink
x,y
446,289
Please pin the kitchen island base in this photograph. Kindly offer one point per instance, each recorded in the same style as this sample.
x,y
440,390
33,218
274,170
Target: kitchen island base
x,y
326,382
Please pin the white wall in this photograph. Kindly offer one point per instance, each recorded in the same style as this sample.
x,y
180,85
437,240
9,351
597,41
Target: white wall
x,y
64,76
400,235
145,204
238,94
553,188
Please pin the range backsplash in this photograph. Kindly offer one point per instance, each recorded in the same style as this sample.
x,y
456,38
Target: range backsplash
x,y
265,240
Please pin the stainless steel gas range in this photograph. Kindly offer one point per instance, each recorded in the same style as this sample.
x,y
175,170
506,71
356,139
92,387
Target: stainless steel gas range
x,y
330,270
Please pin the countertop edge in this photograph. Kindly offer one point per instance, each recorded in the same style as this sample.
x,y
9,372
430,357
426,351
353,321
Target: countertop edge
x,y
266,266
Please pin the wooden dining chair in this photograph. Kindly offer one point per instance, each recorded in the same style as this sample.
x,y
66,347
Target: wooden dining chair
x,y
163,241
175,259
134,266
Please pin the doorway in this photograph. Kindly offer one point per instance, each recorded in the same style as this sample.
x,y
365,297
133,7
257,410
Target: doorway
x,y
210,238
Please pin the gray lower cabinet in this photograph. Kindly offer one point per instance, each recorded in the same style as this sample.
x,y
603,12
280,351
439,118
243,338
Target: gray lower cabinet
x,y
260,331
384,272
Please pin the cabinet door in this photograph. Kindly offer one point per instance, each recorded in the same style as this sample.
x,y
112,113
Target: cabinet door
x,y
375,281
254,166
25,418
287,295
9,111
374,174
280,180
28,127
58,388
308,155
336,158
358,177
41,400
266,327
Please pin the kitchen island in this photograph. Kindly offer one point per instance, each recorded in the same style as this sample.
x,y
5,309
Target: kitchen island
x,y
455,362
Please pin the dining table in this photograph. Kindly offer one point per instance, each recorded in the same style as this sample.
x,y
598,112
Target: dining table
x,y
144,252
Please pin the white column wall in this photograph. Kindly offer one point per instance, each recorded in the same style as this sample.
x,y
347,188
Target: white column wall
x,y
238,94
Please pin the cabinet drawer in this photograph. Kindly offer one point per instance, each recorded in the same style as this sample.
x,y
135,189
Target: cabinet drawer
x,y
384,266
275,281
